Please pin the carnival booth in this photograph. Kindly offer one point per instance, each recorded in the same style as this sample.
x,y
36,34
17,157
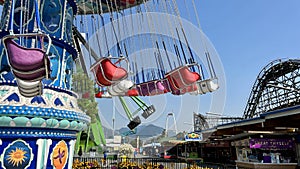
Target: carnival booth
x,y
266,152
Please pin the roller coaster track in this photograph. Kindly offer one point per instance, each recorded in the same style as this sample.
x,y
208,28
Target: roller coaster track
x,y
277,86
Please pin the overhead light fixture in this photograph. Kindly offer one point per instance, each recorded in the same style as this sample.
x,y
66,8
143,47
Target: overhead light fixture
x,y
287,128
261,132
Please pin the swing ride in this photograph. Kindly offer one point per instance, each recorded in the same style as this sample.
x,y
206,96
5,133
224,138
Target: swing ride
x,y
122,80
44,41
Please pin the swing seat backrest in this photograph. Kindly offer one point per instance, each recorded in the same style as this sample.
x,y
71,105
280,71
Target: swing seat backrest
x,y
107,73
24,59
182,77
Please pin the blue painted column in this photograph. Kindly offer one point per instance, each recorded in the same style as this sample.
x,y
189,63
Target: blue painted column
x,y
40,132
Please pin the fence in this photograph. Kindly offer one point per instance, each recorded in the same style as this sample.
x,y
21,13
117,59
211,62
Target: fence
x,y
144,163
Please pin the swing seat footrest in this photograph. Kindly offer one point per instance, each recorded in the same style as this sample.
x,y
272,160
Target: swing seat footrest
x,y
134,123
30,88
148,112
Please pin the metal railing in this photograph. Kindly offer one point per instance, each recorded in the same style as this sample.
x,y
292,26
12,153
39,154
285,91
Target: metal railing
x,y
144,163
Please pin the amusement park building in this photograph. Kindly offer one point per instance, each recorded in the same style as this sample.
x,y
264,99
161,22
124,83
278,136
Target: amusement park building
x,y
267,136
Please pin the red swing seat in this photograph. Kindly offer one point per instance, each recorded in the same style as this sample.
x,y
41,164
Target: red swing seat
x,y
107,73
182,77
132,92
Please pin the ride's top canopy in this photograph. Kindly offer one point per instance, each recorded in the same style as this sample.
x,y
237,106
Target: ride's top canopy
x,y
93,6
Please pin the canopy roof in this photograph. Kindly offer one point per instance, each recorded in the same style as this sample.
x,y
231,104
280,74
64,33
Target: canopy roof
x,y
279,122
93,6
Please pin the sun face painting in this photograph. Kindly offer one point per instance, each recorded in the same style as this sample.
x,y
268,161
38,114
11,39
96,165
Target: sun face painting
x,y
59,155
17,155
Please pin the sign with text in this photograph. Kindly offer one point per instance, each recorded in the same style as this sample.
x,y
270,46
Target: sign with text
x,y
193,137
267,143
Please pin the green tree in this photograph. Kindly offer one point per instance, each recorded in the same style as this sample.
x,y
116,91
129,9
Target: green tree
x,y
84,87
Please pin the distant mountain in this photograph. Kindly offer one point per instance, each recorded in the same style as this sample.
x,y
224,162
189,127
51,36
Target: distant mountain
x,y
143,131
149,131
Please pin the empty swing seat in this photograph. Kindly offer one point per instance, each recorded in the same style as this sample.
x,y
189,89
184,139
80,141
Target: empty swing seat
x,y
152,88
107,73
29,65
25,59
181,78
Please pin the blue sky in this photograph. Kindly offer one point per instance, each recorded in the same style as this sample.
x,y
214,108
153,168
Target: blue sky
x,y
247,36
